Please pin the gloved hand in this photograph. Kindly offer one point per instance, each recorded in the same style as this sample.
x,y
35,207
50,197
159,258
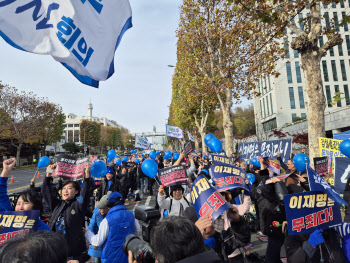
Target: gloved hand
x,y
316,238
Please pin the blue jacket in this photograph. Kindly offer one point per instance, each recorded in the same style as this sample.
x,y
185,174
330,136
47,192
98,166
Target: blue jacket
x,y
5,204
120,223
93,227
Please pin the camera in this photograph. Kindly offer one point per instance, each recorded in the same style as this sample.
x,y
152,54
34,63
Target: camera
x,y
148,217
140,249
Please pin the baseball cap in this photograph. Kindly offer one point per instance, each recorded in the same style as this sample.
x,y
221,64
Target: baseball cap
x,y
103,201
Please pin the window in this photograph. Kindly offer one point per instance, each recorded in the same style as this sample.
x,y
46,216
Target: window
x,y
320,40
348,44
303,115
296,53
265,82
343,70
264,108
70,136
271,103
340,50
262,86
76,125
297,70
261,110
342,4
346,92
76,136
331,51
270,125
336,22
329,96
346,28
286,46
334,70
293,117
325,70
267,106
289,73
336,88
326,16
301,21
269,82
334,4
291,98
301,98
70,125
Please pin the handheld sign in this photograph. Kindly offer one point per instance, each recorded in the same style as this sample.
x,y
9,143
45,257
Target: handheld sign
x,y
219,159
173,175
69,166
321,165
206,199
309,211
228,177
13,223
342,173
188,148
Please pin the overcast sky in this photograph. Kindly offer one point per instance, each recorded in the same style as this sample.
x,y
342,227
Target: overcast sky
x,y
138,93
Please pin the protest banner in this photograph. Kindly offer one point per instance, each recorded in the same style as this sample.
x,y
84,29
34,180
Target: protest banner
x,y
273,165
81,35
69,166
188,148
13,223
309,211
251,150
173,175
321,165
207,201
228,177
318,184
342,173
174,132
221,159
330,147
142,142
190,137
282,177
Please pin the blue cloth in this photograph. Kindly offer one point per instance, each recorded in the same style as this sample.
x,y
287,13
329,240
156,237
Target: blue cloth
x,y
121,224
109,184
5,204
93,227
210,242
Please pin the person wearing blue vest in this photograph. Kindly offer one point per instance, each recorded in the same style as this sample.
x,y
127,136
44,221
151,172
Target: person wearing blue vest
x,y
113,230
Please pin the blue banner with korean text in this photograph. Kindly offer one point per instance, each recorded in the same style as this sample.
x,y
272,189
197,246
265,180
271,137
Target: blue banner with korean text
x,y
13,223
318,184
342,173
309,211
228,177
250,150
206,199
222,159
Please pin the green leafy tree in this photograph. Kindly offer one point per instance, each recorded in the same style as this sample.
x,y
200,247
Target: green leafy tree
x,y
90,132
70,147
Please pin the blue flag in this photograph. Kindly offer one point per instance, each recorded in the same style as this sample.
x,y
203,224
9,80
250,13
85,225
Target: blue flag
x,y
206,199
318,184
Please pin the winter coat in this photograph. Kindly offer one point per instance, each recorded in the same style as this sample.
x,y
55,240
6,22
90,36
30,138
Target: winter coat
x,y
103,189
93,227
346,198
74,214
208,256
299,250
120,223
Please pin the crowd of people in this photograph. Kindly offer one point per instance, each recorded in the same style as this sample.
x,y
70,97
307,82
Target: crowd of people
x,y
82,221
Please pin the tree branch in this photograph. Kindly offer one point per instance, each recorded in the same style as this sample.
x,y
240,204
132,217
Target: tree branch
x,y
333,40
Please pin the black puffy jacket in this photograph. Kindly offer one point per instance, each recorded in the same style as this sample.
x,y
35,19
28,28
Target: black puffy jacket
x,y
103,189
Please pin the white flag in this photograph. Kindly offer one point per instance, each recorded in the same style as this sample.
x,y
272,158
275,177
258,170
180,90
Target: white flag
x,y
175,132
190,137
81,34
141,142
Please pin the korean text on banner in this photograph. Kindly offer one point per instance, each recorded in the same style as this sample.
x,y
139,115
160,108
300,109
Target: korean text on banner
x,y
309,211
342,173
142,142
173,175
69,166
221,159
321,165
188,148
206,199
13,223
250,150
174,132
81,35
329,147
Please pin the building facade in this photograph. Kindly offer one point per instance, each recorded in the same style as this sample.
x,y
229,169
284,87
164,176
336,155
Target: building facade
x,y
282,100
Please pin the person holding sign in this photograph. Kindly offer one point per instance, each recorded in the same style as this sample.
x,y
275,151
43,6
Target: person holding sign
x,y
176,203
28,200
68,216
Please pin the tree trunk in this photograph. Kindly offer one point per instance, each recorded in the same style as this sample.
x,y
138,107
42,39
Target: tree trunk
x,y
204,147
316,104
228,130
196,142
18,155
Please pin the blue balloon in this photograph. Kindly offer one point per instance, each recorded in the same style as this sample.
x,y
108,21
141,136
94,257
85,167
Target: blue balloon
x,y
137,161
176,156
215,145
168,155
125,159
117,156
152,155
344,148
150,168
111,155
157,153
43,162
98,169
204,156
166,214
118,162
300,162
251,178
255,162
208,138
